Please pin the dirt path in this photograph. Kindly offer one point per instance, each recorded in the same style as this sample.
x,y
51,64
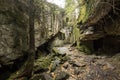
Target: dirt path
x,y
90,67
78,66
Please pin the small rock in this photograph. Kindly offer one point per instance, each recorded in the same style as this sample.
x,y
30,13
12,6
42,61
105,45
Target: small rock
x,y
57,61
71,62
61,50
82,65
66,65
99,57
44,76
89,60
52,67
64,59
62,76
109,66
54,64
76,70
76,64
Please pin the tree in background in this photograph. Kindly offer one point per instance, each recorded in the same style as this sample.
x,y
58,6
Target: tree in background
x,y
72,12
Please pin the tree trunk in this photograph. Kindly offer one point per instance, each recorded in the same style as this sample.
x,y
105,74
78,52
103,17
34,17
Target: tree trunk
x,y
31,55
27,67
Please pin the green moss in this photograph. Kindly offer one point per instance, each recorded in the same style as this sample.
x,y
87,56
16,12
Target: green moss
x,y
76,35
55,50
65,58
44,62
84,49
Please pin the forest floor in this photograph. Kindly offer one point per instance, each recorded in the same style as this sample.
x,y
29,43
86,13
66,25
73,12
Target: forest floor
x,y
80,66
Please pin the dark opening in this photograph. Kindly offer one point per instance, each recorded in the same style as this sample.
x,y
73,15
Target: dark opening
x,y
98,44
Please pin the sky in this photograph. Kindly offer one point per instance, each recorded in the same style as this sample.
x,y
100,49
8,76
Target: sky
x,y
60,3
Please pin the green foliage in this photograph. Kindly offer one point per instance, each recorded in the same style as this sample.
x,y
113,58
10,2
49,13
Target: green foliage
x,y
44,62
65,58
84,49
76,33
70,11
55,51
86,8
70,7
83,11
